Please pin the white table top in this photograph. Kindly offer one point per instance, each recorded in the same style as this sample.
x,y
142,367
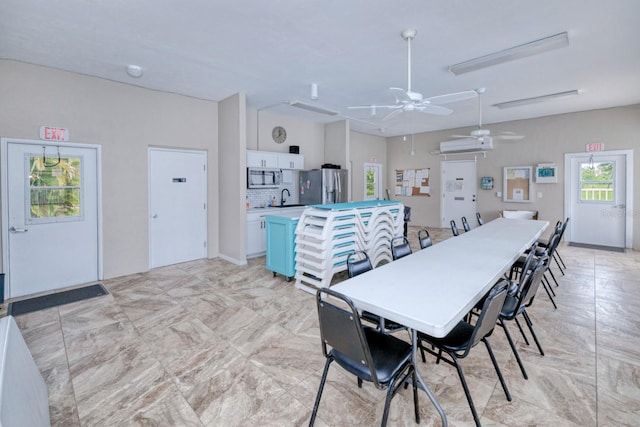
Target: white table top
x,y
432,289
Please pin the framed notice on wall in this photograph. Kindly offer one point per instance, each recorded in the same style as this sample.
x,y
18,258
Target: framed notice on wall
x,y
412,182
517,184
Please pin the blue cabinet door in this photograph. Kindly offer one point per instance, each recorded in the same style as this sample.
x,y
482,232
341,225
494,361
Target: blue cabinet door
x,y
281,245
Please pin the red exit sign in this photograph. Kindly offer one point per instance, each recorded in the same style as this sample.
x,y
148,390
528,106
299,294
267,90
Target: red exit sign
x,y
595,146
54,134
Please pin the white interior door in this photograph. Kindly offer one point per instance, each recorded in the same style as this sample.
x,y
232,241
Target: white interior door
x,y
51,227
598,199
459,191
177,206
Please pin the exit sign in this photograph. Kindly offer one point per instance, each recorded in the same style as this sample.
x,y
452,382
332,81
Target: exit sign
x,y
595,146
54,134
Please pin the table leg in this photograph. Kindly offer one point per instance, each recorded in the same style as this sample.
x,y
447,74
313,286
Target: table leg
x,y
421,383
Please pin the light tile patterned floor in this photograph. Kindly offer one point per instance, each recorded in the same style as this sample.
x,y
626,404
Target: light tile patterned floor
x,y
212,343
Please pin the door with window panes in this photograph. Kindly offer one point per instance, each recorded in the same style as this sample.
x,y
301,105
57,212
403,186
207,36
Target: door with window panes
x,y
372,181
52,222
598,194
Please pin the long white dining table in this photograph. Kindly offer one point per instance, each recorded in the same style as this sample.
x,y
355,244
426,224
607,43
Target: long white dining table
x,y
433,289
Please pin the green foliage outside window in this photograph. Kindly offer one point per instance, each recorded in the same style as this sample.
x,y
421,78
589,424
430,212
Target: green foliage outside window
x,y
596,182
371,183
54,187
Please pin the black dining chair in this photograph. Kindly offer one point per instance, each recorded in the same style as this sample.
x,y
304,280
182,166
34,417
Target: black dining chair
x,y
424,238
479,218
454,228
556,255
359,262
465,224
516,304
400,247
464,336
370,355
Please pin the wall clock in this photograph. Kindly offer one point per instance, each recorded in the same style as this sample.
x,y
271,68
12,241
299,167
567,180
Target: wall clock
x,y
278,134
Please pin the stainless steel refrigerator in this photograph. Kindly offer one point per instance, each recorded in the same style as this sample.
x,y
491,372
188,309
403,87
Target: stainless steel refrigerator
x,y
322,186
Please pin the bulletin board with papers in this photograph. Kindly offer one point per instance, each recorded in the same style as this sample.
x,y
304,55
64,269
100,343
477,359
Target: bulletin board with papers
x,y
412,182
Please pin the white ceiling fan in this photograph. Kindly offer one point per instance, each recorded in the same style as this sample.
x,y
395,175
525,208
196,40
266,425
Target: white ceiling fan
x,y
407,100
485,134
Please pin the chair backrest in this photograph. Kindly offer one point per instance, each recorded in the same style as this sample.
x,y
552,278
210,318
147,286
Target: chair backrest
x,y
479,218
564,227
342,330
399,250
465,224
532,282
424,239
454,228
489,314
357,263
527,265
554,240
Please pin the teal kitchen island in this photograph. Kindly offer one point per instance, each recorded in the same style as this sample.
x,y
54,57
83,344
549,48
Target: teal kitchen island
x,y
281,235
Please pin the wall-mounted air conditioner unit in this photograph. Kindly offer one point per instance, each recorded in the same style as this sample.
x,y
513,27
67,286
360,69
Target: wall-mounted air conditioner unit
x,y
466,144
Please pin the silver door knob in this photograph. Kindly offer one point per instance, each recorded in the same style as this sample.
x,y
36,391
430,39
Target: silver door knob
x,y
18,230
154,216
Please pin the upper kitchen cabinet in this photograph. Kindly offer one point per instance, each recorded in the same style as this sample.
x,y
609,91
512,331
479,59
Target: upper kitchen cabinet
x,y
290,161
262,159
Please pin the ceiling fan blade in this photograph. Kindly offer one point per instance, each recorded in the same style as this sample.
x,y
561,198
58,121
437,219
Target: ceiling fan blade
x,y
400,94
368,107
452,97
433,109
509,137
392,114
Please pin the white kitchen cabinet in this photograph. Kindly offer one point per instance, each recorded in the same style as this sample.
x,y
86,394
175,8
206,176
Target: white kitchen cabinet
x,y
256,234
262,159
257,227
290,161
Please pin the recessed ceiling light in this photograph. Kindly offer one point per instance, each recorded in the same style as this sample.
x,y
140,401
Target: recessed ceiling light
x,y
517,52
134,70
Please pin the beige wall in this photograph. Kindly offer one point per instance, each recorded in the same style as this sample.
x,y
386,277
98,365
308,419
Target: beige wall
x,y
307,135
336,144
547,140
125,121
232,176
365,148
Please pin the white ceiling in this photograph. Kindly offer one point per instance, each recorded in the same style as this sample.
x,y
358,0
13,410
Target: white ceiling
x,y
273,50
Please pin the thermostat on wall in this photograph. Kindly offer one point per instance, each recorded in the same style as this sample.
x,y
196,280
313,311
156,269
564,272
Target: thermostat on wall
x,y
546,173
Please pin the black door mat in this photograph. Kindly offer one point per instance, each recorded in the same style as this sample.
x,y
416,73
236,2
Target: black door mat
x,y
54,300
598,247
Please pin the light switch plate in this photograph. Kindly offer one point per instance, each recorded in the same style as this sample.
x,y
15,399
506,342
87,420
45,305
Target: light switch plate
x,y
498,194
539,194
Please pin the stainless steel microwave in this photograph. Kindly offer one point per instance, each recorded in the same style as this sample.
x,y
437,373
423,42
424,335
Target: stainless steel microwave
x,y
263,178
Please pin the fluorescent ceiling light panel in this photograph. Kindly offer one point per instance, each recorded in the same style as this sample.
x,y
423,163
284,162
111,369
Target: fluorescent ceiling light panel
x,y
517,52
536,99
314,108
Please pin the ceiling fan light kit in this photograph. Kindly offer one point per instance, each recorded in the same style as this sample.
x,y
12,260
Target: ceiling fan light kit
x,y
532,48
536,99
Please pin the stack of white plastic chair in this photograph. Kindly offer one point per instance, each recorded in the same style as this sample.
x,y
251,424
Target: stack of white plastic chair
x,y
327,234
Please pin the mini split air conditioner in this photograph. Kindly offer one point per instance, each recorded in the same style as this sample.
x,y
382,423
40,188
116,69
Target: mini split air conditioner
x,y
466,145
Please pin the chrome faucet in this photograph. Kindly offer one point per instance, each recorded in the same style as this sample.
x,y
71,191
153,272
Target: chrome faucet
x,y
282,195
